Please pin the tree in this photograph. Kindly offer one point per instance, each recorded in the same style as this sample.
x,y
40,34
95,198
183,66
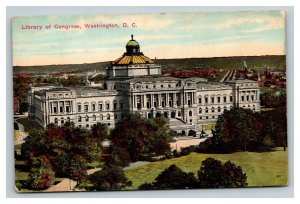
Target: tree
x,y
69,149
110,177
41,175
213,174
142,138
235,131
172,178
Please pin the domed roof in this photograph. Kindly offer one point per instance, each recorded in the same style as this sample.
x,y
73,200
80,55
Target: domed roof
x,y
134,59
132,55
132,43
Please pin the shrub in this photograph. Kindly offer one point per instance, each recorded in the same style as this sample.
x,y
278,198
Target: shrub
x,y
176,154
205,146
192,133
41,175
268,142
110,177
213,174
172,178
187,150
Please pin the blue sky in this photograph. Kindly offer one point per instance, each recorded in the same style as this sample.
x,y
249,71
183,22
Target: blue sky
x,y
168,35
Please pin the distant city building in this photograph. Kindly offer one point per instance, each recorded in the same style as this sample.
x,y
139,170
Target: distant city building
x,y
134,84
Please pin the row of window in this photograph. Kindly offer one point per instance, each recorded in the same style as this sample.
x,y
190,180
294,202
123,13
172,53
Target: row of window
x,y
247,98
101,107
139,86
213,109
214,99
94,118
87,125
87,118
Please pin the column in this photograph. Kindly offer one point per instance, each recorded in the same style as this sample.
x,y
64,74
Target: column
x,y
134,100
145,100
167,99
159,100
194,98
174,99
185,98
151,100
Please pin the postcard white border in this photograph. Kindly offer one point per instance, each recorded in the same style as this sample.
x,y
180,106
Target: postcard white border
x,y
273,192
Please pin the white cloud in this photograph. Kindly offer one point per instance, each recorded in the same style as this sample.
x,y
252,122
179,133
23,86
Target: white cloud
x,y
264,23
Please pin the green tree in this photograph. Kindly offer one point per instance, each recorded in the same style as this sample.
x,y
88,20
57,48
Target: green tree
x,y
213,174
110,177
41,175
142,138
234,131
172,178
70,149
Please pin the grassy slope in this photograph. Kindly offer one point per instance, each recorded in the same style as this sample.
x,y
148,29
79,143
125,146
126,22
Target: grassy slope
x,y
262,169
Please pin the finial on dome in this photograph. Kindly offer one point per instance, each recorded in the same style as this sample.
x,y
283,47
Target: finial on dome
x,y
131,37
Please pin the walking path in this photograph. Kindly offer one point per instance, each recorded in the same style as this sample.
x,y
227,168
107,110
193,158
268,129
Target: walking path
x,y
68,184
22,133
185,142
64,185
136,164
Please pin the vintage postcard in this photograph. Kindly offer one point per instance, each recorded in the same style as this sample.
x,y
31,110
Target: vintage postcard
x,y
150,101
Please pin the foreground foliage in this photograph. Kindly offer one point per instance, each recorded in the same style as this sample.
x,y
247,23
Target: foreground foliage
x,y
139,139
172,178
68,149
212,174
243,130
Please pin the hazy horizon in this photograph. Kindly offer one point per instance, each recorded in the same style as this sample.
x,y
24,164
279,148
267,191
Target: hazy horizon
x,y
156,59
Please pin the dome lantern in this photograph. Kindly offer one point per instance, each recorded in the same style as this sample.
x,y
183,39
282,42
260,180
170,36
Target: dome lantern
x,y
132,47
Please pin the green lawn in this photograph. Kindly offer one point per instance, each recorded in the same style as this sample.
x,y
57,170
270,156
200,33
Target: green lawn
x,y
262,169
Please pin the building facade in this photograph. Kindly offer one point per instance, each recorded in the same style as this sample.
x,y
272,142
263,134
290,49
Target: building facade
x,y
134,84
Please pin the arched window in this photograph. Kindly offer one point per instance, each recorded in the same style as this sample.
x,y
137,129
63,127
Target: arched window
x,y
56,121
166,114
107,105
93,106
86,107
86,118
62,121
224,98
94,118
206,110
200,110
68,119
100,105
108,117
115,105
212,109
219,109
200,99
79,118
190,113
225,108
78,107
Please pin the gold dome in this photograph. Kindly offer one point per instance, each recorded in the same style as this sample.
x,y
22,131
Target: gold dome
x,y
132,55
